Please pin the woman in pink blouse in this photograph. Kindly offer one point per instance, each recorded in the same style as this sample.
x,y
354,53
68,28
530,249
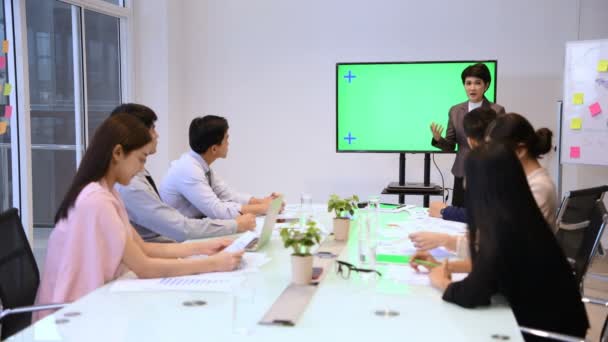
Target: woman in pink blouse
x,y
93,242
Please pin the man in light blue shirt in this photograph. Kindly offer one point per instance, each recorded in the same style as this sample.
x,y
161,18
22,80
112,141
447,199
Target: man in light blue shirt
x,y
156,221
194,189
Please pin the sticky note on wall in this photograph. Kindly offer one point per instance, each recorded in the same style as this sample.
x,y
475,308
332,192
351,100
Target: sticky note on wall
x,y
575,152
578,98
576,123
8,111
3,125
602,65
2,62
7,89
595,109
5,46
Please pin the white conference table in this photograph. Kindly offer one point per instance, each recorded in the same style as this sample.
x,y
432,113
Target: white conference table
x,y
341,309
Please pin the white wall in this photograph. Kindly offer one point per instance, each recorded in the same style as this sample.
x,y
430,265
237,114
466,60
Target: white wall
x,y
268,66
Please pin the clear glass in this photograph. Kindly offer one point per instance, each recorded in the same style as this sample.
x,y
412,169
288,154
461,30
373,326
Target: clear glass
x,y
305,208
362,234
102,42
244,312
6,127
53,108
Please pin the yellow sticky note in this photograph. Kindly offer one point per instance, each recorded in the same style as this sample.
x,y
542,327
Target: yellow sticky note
x,y
578,98
3,125
602,65
576,123
7,89
5,46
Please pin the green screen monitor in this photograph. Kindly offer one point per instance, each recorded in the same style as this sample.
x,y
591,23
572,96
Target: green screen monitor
x,y
389,106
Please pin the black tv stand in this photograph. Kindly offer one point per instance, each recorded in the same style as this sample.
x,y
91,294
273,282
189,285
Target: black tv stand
x,y
402,188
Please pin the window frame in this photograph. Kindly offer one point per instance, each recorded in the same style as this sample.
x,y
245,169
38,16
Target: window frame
x,y
17,67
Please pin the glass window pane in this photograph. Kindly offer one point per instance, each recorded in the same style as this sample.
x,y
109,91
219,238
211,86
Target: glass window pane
x,y
102,42
116,2
6,129
53,107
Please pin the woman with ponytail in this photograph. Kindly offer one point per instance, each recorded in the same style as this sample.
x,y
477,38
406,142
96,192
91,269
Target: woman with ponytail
x,y
517,133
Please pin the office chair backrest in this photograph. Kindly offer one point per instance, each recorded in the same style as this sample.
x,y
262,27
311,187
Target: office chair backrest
x,y
591,241
19,276
575,210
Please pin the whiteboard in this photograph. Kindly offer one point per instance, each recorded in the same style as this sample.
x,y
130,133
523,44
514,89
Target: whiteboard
x,y
585,104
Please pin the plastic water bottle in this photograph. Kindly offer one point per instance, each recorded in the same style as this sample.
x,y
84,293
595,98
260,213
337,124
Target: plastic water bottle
x,y
305,209
362,234
372,229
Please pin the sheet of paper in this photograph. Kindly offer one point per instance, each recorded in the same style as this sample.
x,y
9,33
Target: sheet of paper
x,y
5,46
407,275
187,283
602,65
578,98
3,126
576,123
2,62
8,111
241,242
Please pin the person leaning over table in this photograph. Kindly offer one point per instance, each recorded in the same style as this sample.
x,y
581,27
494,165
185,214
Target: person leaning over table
x,y
93,242
476,80
153,219
513,250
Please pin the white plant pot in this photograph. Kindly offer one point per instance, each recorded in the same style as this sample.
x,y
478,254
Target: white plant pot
x,y
341,229
301,269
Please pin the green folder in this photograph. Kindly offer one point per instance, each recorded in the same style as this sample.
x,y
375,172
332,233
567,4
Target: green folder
x,y
393,258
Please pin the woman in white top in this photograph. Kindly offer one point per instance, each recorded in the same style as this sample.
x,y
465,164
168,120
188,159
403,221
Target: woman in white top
x,y
516,132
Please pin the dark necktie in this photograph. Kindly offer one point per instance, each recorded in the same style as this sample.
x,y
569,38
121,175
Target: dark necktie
x,y
208,175
151,181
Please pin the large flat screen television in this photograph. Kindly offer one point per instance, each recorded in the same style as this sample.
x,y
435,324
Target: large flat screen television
x,y
389,106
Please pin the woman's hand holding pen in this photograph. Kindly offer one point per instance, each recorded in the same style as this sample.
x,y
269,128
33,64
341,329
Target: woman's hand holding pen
x,y
440,276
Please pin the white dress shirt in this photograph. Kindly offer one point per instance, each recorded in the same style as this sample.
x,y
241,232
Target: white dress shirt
x,y
154,219
195,190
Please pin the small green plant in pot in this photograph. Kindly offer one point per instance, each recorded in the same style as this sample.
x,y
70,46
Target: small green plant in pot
x,y
344,209
301,242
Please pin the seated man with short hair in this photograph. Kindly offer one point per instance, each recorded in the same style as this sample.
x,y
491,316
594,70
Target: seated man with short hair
x,y
193,188
156,221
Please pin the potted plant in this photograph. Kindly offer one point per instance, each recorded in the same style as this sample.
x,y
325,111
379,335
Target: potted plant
x,y
301,242
344,209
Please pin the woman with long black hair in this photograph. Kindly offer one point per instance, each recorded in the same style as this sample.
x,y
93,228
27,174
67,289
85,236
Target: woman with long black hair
x,y
513,251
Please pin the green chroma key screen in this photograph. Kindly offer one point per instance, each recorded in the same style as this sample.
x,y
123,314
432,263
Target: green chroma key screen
x,y
389,107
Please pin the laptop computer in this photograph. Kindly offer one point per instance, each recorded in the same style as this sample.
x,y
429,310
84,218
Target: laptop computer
x,y
251,241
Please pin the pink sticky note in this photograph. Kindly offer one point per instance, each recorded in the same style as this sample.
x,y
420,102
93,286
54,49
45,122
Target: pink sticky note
x,y
8,111
595,109
575,152
2,62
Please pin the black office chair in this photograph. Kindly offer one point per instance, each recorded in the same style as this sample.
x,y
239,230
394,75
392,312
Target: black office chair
x,y
574,216
590,243
598,219
19,277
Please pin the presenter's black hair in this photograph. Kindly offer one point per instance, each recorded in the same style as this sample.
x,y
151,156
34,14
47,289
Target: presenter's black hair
x,y
513,129
477,121
207,131
478,70
145,114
